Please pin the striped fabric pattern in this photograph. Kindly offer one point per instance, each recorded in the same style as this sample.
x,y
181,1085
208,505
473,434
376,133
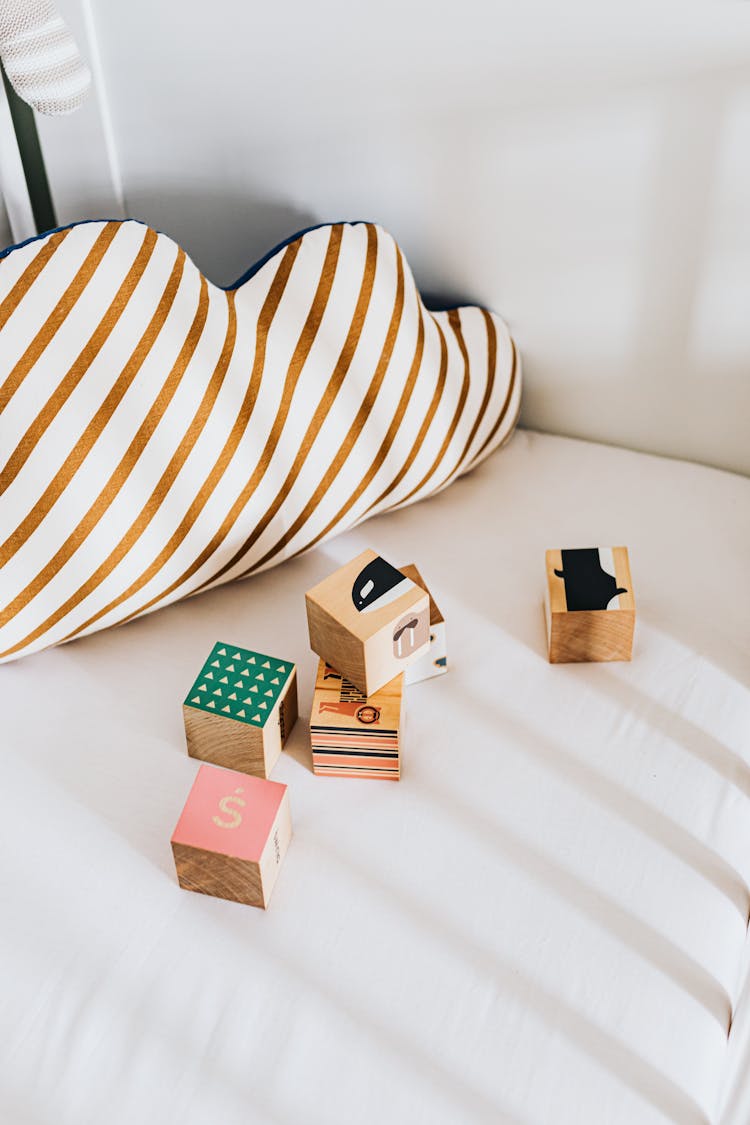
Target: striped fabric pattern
x,y
159,435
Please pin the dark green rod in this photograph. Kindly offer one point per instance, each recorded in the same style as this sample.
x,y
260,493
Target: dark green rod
x,y
31,159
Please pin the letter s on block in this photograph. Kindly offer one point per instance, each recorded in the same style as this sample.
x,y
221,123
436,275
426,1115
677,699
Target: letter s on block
x,y
225,804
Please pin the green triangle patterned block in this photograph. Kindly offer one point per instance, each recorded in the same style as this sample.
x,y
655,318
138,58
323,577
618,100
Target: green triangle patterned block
x,y
219,663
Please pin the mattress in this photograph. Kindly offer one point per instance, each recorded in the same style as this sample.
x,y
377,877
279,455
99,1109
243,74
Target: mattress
x,y
544,921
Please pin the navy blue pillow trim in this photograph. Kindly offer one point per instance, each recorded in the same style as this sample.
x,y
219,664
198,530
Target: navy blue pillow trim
x,y
251,272
235,285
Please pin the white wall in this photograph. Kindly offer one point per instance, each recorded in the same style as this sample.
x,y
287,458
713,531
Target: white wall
x,y
587,175
6,235
16,217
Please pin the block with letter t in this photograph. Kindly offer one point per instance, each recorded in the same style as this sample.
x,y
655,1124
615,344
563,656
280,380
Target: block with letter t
x,y
369,621
435,660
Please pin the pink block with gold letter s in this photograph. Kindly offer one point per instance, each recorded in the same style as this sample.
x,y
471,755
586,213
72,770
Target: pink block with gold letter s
x,y
232,835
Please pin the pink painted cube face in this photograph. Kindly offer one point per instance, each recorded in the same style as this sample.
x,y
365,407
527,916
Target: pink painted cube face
x,y
229,812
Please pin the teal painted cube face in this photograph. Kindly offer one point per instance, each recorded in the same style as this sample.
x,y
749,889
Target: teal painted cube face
x,y
239,684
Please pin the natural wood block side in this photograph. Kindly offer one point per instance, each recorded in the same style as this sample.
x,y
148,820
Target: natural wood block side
x,y
222,876
579,578
212,738
345,650
369,621
288,709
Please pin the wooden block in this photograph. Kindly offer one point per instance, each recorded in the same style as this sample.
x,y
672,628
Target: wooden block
x,y
435,660
240,710
354,735
232,835
589,605
369,621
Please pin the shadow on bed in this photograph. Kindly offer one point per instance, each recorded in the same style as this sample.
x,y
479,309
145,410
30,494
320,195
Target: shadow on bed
x,y
624,1064
615,799
604,911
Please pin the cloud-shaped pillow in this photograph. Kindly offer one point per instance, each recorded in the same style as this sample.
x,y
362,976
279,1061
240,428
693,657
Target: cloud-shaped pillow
x,y
159,435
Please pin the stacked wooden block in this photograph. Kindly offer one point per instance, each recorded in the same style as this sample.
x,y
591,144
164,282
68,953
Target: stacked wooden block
x,y
353,735
371,625
435,660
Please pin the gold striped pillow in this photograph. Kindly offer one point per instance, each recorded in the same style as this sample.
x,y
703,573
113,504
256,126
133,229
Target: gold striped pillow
x,y
159,435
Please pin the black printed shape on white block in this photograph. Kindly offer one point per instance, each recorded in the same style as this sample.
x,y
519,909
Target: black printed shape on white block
x,y
378,584
587,584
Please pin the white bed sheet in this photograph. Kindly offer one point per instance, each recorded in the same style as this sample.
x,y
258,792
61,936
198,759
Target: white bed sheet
x,y
544,922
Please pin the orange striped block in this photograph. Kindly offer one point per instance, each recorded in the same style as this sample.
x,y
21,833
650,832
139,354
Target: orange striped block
x,y
354,735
